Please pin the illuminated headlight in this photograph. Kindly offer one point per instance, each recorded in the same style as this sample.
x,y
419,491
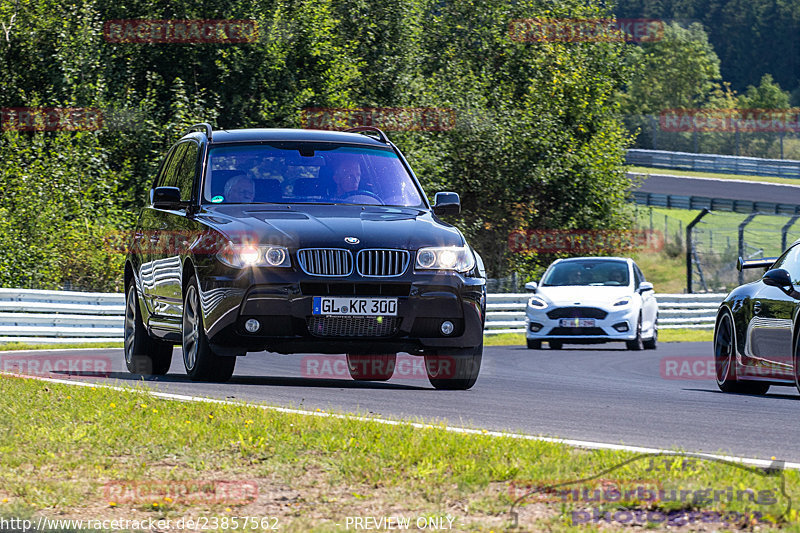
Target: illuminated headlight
x,y
622,301
458,258
537,302
250,255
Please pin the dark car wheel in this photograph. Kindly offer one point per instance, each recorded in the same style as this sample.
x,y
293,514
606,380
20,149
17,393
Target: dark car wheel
x,y
371,367
143,354
637,343
534,345
555,345
725,361
201,363
454,371
650,344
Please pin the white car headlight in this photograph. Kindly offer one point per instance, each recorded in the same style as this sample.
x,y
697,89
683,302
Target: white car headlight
x,y
622,301
249,255
458,258
537,302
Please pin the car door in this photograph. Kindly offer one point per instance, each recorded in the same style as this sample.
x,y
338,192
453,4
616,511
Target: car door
x,y
162,236
150,238
649,304
770,328
180,230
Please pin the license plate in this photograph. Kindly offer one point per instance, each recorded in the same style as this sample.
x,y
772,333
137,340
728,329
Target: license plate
x,y
324,305
576,323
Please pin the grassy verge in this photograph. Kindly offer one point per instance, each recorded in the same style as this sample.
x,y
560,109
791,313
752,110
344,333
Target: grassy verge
x,y
313,472
7,346
694,174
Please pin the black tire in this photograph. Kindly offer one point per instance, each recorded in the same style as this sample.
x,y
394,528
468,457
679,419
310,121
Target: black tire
x,y
637,343
378,367
650,344
144,355
200,361
555,345
534,345
454,371
725,361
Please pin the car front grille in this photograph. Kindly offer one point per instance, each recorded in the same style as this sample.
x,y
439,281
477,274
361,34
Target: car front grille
x,y
567,332
349,326
577,312
382,263
325,261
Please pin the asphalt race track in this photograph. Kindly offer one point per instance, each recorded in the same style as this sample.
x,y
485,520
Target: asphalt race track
x,y
600,393
720,188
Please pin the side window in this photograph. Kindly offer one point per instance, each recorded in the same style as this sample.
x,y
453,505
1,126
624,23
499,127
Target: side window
x,y
638,275
186,171
161,180
170,174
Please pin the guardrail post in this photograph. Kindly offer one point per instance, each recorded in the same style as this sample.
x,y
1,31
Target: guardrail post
x,y
689,246
744,223
785,230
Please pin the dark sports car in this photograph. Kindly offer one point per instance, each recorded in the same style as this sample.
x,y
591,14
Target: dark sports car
x,y
756,338
297,241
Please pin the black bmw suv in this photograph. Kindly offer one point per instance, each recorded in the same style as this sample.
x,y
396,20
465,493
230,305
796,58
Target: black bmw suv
x,y
298,241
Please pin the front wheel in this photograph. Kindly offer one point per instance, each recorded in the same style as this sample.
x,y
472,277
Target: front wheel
x,y
534,345
456,371
143,354
371,367
637,343
725,361
201,363
650,344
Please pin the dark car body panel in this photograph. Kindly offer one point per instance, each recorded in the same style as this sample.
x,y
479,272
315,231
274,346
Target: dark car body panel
x,y
170,246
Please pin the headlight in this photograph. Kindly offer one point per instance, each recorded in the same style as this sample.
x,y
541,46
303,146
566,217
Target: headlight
x,y
537,302
458,258
622,301
249,255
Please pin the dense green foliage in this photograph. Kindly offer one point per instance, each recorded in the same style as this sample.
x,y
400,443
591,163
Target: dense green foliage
x,y
536,142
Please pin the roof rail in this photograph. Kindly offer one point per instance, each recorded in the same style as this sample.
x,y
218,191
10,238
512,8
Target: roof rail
x,y
370,129
205,126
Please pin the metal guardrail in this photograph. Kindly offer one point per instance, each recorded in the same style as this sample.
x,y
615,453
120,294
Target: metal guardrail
x,y
53,317
677,201
726,164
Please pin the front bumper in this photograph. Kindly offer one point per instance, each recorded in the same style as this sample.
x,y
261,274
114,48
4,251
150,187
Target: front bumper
x,y
281,300
604,329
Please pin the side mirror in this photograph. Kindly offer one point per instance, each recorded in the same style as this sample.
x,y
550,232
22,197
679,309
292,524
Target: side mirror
x,y
166,197
645,286
531,286
777,277
446,203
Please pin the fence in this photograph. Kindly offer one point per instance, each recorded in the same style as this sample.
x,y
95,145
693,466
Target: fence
x,y
52,317
729,164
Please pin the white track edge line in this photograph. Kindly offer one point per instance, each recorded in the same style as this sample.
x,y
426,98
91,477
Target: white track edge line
x,y
591,445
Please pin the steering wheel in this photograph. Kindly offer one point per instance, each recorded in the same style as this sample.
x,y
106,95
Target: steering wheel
x,y
363,193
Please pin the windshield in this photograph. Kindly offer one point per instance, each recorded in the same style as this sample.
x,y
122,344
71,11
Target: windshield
x,y
588,272
308,173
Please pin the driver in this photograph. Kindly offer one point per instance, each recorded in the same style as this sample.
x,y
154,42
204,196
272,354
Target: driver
x,y
240,189
346,177
617,276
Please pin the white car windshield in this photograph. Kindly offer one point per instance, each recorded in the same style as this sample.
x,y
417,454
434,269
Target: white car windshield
x,y
598,272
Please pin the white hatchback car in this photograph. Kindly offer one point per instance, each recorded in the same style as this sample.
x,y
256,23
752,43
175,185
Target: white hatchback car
x,y
587,300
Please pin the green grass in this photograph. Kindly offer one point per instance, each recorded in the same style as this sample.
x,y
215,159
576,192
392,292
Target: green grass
x,y
694,174
664,335
311,471
6,346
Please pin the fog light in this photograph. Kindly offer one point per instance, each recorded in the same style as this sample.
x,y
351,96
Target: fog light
x,y
447,327
622,327
252,325
535,326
